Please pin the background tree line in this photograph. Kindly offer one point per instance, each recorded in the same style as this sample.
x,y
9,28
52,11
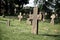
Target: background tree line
x,y
8,6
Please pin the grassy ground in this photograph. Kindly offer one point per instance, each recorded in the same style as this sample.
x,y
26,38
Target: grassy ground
x,y
22,31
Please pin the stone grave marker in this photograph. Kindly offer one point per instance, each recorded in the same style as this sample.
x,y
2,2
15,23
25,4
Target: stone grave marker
x,y
35,22
19,16
43,17
8,23
45,13
35,17
40,16
15,10
56,15
52,19
29,19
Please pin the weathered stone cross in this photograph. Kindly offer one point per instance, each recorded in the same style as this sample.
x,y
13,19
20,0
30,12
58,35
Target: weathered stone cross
x,y
19,16
35,22
29,20
52,19
34,17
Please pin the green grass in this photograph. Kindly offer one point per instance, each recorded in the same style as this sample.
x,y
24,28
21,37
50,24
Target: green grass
x,y
22,31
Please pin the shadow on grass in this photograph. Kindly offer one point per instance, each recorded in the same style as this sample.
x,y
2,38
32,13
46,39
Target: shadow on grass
x,y
57,21
51,35
0,35
57,37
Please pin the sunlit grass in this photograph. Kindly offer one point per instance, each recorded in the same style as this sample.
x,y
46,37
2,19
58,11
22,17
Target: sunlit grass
x,y
22,31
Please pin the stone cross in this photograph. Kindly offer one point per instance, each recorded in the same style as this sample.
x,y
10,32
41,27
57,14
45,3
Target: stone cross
x,y
24,15
40,16
19,16
29,19
30,16
35,22
44,16
52,19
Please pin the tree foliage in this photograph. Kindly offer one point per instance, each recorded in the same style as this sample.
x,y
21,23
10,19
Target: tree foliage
x,y
9,5
21,1
48,5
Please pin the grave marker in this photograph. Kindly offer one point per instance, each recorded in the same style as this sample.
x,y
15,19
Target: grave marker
x,y
43,17
40,16
19,16
15,10
29,20
52,19
8,22
35,22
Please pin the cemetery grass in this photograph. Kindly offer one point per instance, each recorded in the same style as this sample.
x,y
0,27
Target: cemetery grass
x,y
22,31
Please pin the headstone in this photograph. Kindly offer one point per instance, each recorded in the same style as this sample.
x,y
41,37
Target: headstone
x,y
35,17
19,16
15,10
56,15
24,16
8,22
52,19
30,16
40,16
29,20
43,17
45,13
34,22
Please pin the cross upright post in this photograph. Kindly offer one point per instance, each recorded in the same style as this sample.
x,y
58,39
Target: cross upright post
x,y
35,22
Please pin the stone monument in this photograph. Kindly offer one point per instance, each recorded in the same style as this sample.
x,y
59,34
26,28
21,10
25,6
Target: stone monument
x,y
52,19
35,22
19,16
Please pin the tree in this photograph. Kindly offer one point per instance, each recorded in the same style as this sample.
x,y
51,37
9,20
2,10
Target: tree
x,y
9,7
40,4
35,2
20,3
